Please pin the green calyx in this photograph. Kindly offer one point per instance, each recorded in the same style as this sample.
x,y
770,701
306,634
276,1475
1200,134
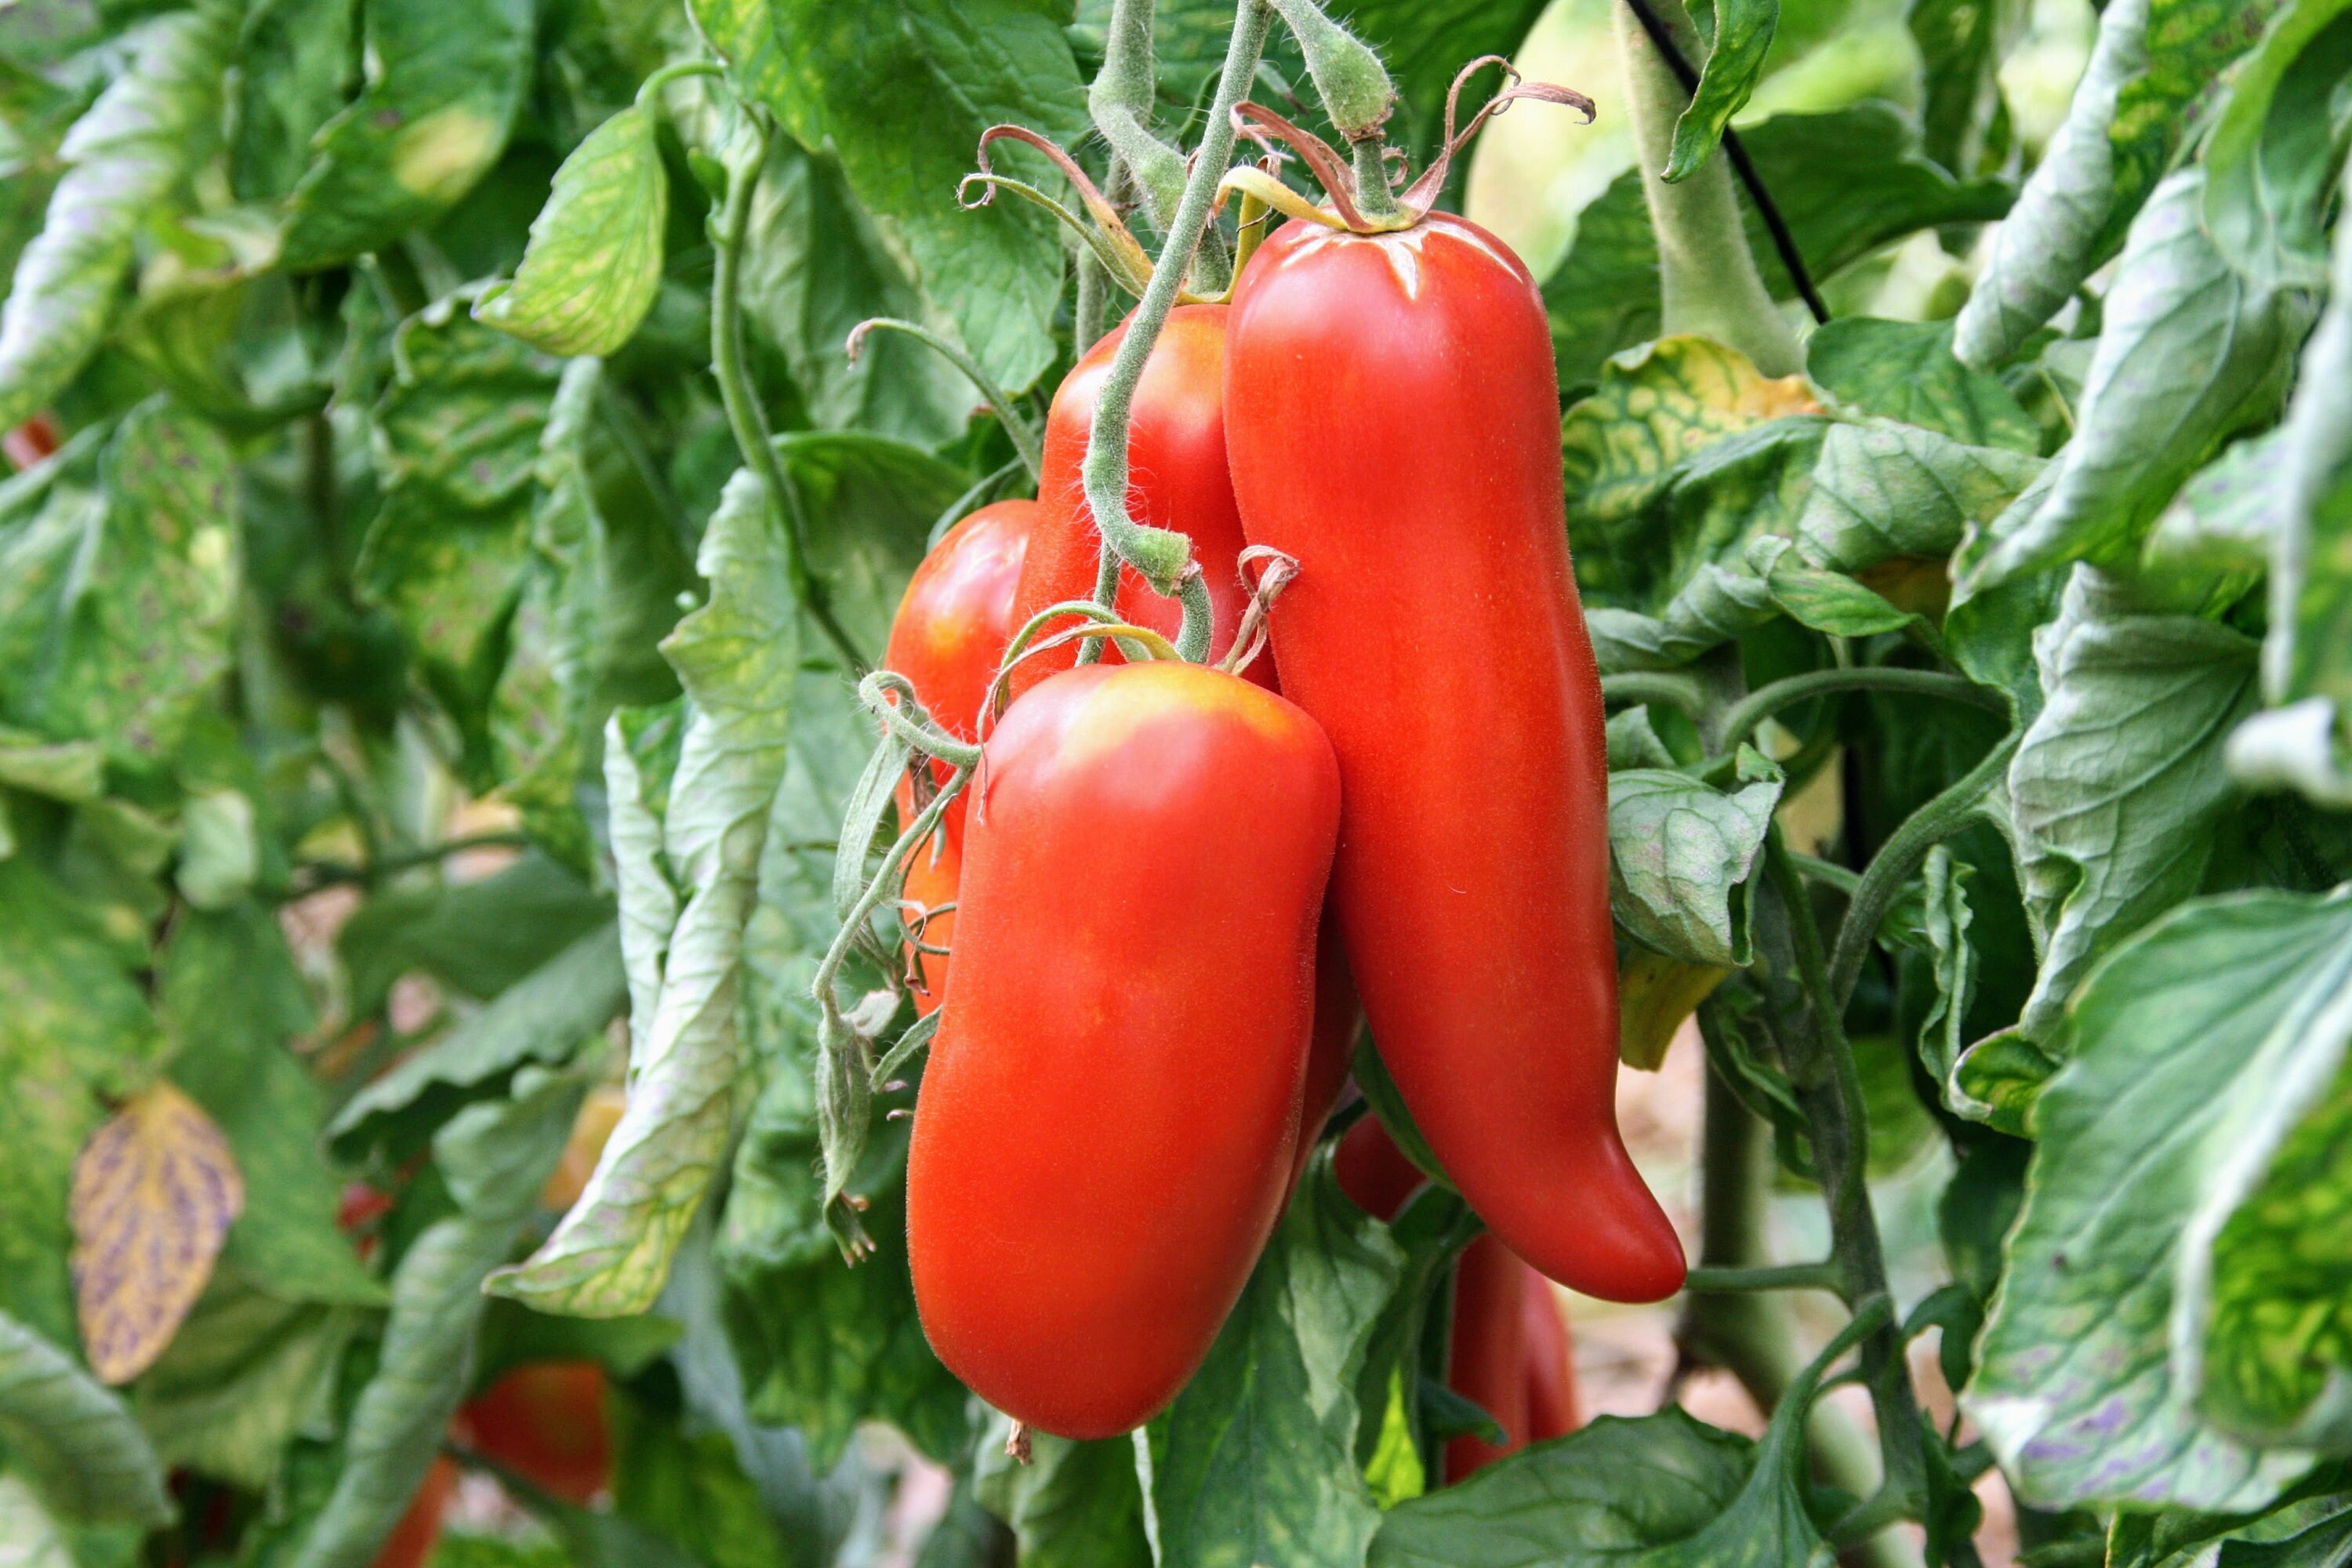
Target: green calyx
x,y
1356,89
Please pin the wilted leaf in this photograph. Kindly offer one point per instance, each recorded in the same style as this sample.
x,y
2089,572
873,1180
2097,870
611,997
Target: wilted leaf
x,y
2153,57
442,87
90,1458
154,1192
1680,855
2272,152
1939,926
595,255
125,161
902,89
2197,1047
2192,354
2119,783
737,656
1255,1462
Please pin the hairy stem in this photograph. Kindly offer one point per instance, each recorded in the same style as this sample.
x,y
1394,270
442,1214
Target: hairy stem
x,y
1017,429
1161,556
744,416
1708,281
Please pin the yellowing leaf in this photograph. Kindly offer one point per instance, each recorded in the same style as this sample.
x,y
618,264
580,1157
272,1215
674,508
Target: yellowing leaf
x,y
154,1192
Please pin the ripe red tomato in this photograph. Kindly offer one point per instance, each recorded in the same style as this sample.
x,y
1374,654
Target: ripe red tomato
x,y
412,1539
1552,1404
950,632
1106,1124
545,1421
1176,455
1394,423
1337,1015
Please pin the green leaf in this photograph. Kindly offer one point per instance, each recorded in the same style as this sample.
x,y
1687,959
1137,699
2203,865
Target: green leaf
x,y
27,1534
116,608
1905,371
545,1019
457,445
73,771
1255,1462
89,1457
513,1335
1073,1505
545,710
73,1028
2192,354
737,656
1743,36
2197,1045
688,1488
1827,601
2271,153
126,160
244,1376
295,55
2152,59
2227,519
476,937
816,265
494,1157
2119,784
871,503
1847,182
1940,930
1613,1491
2176,1537
901,91
594,261
1882,494
2304,656
232,1005
825,1346
1961,44
443,90
1680,856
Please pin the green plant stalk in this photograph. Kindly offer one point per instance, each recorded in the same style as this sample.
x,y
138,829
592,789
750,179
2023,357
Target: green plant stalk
x,y
744,416
1819,1064
1766,700
1752,1334
1159,555
1120,102
1373,197
1900,859
1708,281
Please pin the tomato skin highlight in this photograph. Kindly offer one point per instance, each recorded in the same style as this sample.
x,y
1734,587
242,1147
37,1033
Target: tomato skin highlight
x,y
1106,1124
949,632
1393,423
545,1421
1176,458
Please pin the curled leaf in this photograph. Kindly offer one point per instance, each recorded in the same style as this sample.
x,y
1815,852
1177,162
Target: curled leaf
x,y
154,1192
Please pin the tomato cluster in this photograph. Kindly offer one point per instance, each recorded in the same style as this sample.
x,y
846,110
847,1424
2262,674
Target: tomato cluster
x,y
1168,882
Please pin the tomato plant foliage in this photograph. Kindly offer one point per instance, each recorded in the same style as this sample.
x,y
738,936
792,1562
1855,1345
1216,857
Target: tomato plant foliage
x,y
439,827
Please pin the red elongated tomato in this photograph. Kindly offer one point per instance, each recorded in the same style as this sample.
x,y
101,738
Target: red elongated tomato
x,y
1106,1124
412,1539
1552,1404
1393,422
951,630
1177,480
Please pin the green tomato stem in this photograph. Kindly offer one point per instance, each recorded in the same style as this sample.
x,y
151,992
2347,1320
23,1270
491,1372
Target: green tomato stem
x,y
1766,700
1161,555
1023,435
